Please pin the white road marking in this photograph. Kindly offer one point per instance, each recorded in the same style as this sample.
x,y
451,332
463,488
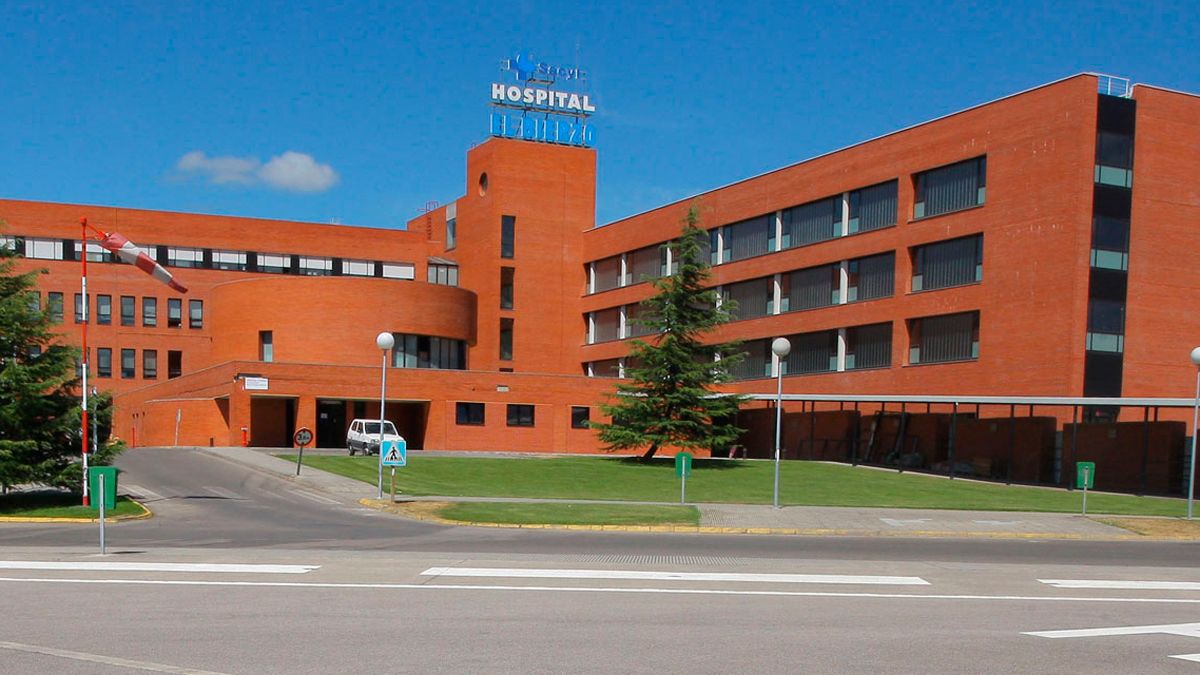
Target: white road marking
x,y
898,522
998,522
156,567
106,660
1127,585
313,497
142,493
223,492
1184,629
1187,657
670,576
586,589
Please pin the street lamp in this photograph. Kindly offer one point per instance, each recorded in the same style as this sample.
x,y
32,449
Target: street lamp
x,y
385,342
780,347
1195,416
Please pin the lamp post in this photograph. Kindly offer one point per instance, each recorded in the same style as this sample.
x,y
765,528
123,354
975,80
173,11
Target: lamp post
x,y
1195,417
780,347
385,342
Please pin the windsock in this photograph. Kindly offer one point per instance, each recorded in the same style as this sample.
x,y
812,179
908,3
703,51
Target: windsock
x,y
130,253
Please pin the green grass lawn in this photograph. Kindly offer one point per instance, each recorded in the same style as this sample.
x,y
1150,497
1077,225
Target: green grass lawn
x,y
747,482
571,514
59,505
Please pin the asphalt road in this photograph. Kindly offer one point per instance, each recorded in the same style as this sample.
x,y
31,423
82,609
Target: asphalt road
x,y
240,572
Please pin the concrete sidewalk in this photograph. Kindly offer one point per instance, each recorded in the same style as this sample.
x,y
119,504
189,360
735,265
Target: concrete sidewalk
x,y
749,518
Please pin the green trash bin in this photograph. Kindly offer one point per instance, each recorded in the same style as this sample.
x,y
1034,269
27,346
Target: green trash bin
x,y
110,486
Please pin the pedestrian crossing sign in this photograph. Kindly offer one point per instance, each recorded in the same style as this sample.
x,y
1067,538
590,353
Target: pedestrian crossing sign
x,y
394,453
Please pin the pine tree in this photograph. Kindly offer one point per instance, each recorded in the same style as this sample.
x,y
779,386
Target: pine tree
x,y
668,399
39,402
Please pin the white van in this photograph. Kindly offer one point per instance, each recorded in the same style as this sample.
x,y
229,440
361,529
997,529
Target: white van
x,y
363,435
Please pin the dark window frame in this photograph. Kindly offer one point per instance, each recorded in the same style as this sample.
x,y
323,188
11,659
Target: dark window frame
x,y
520,415
470,413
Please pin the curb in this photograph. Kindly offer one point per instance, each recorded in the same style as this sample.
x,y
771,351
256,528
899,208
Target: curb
x,y
382,505
144,515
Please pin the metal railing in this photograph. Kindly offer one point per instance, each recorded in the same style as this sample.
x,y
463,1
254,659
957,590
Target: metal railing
x,y
1111,85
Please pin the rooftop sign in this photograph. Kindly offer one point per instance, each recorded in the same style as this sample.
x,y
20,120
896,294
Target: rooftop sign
x,y
545,104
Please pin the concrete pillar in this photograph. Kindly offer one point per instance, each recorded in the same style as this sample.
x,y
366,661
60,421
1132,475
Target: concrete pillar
x,y
306,415
239,413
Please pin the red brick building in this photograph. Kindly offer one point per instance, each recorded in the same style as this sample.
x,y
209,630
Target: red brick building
x,y
1038,245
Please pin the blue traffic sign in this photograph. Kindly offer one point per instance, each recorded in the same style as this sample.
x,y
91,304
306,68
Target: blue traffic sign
x,y
394,453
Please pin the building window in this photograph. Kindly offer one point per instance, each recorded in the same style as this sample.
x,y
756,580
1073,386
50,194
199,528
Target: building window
x,y
104,309
35,301
635,324
313,266
813,222
128,310
606,325
451,233
507,275
948,263
811,288
939,339
644,264
95,252
752,299
1114,159
607,274
869,346
1106,325
149,364
811,353
44,249
174,312
426,351
79,308
520,415
358,268
442,274
195,314
174,364
872,208
229,260
755,363
871,277
605,368
266,346
951,188
128,364
749,238
405,271
508,234
274,263
468,414
54,306
1110,242
506,339
103,362
149,312
185,257
580,415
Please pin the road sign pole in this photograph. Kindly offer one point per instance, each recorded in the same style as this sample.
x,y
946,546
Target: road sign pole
x,y
1085,487
683,489
299,460
393,484
102,498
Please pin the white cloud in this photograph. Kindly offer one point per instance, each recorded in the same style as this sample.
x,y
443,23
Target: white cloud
x,y
292,171
297,172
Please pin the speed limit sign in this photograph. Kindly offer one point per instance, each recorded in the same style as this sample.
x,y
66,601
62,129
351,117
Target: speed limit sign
x,y
302,437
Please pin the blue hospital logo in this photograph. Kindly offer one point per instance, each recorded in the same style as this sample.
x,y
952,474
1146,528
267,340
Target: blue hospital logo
x,y
522,65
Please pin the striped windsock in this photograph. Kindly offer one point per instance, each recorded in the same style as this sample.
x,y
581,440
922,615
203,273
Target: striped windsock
x,y
128,252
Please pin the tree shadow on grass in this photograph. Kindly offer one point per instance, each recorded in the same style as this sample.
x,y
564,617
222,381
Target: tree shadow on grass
x,y
698,463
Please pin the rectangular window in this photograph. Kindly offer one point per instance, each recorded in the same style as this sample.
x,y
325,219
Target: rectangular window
x,y
44,249
95,252
607,273
871,277
813,222
507,275
1106,325
451,231
520,415
358,268
1110,242
948,263
874,207
606,325
811,288
426,351
104,309
644,264
580,415
756,362
405,271
508,235
128,364
54,306
506,339
103,362
149,312
174,364
229,260
78,308
441,274
811,353
35,301
469,414
274,263
149,364
315,266
1114,159
869,346
951,188
128,310
634,324
939,339
174,312
266,346
185,257
605,368
749,238
752,298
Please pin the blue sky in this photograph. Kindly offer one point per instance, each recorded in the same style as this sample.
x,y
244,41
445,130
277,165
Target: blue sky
x,y
362,112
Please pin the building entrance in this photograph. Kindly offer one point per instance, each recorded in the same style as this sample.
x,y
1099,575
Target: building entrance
x,y
331,424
